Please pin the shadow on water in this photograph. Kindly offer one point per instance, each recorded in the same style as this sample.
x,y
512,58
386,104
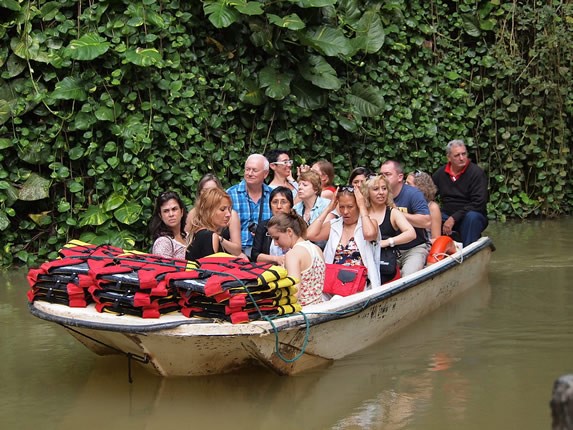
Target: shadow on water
x,y
352,393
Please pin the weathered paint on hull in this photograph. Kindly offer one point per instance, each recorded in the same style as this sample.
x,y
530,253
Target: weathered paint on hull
x,y
335,329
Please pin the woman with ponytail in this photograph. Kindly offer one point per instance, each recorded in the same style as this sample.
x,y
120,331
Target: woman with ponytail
x,y
303,260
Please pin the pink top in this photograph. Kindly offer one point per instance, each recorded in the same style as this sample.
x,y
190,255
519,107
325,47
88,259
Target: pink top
x,y
311,279
168,247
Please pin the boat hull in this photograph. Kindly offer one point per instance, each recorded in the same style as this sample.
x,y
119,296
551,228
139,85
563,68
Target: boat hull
x,y
177,346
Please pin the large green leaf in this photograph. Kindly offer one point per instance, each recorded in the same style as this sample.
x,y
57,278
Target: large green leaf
x,y
35,188
313,3
128,213
94,215
70,89
11,5
471,25
277,84
144,57
292,21
113,202
329,41
87,47
309,96
28,48
366,99
318,71
248,8
220,14
4,221
369,33
252,94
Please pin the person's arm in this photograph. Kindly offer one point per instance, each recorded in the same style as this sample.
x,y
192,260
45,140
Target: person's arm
x,y
320,228
407,232
369,226
436,216
233,246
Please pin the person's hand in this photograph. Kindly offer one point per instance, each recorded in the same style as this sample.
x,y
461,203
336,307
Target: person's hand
x,y
333,202
448,226
360,200
280,260
302,168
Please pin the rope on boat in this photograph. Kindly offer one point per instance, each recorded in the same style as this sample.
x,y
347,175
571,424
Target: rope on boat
x,y
458,260
130,356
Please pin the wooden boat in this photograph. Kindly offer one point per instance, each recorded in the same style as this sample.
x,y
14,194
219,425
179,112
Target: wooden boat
x,y
175,345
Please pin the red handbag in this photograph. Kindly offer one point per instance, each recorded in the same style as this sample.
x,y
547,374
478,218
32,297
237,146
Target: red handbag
x,y
344,280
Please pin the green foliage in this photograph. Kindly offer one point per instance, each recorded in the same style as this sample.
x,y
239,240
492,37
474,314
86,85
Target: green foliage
x,y
103,105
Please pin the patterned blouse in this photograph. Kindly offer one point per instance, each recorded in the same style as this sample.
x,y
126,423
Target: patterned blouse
x,y
311,279
168,247
348,255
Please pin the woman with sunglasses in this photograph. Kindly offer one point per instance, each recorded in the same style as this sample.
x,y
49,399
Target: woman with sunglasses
x,y
167,226
281,164
394,227
352,238
264,249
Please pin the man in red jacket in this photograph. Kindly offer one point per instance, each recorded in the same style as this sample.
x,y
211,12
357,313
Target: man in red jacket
x,y
462,186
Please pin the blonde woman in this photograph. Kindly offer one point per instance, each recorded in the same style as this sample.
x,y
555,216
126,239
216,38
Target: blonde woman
x,y
393,225
212,217
232,234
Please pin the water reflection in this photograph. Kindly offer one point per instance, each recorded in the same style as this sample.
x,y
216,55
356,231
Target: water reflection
x,y
488,358
353,393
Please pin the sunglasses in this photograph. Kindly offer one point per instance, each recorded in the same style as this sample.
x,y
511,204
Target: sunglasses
x,y
283,163
346,188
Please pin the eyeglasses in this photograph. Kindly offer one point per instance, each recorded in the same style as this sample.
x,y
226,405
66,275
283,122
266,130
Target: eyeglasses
x,y
284,163
279,202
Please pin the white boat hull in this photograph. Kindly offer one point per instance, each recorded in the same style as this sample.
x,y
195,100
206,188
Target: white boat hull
x,y
174,345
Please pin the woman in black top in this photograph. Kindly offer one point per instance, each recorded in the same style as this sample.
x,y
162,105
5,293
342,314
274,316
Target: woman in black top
x,y
211,218
280,200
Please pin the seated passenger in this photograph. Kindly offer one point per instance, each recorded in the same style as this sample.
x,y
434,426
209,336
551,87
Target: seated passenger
x,y
352,238
167,226
264,250
232,234
358,176
325,169
311,204
281,165
425,184
303,259
394,227
212,217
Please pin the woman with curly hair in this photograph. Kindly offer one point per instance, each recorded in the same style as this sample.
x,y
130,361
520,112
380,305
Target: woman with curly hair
x,y
425,184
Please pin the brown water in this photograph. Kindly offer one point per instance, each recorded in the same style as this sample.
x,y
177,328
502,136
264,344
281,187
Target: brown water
x,y
486,361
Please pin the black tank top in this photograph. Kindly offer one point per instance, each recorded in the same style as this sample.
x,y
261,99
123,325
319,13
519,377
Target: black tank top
x,y
386,229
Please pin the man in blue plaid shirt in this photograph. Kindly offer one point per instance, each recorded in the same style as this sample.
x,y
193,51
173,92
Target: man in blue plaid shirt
x,y
251,199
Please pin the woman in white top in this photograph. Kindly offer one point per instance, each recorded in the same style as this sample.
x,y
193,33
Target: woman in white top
x,y
167,226
281,165
304,260
353,237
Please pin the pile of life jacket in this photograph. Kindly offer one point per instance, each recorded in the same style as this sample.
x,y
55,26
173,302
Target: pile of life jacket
x,y
236,290
147,285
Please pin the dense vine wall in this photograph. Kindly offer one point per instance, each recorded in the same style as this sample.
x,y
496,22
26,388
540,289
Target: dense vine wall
x,y
105,104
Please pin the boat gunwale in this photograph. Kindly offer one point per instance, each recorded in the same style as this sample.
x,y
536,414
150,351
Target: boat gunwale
x,y
336,309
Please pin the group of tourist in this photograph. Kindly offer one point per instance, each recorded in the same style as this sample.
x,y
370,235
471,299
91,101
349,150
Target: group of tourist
x,y
306,223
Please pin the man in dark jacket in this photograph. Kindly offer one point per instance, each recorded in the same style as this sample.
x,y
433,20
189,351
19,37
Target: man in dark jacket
x,y
462,186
